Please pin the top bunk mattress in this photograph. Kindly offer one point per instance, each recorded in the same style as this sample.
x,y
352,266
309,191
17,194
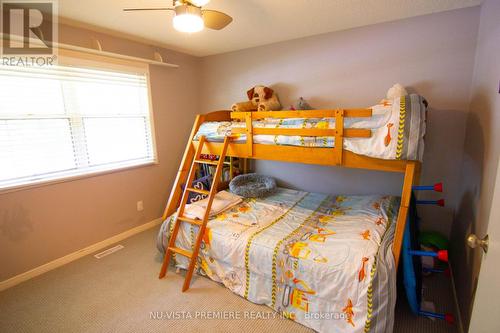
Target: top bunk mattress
x,y
398,129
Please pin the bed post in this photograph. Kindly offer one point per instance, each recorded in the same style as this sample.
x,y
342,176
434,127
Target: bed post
x,y
175,194
249,133
412,173
339,136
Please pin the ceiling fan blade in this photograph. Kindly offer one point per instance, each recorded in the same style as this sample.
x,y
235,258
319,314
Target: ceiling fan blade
x,y
215,20
144,9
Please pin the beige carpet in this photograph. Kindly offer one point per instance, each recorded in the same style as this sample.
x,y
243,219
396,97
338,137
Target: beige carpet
x,y
121,293
437,289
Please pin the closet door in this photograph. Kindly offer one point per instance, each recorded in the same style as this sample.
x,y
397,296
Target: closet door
x,y
486,310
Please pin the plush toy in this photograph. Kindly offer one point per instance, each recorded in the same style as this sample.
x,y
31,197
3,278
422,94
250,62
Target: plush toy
x,y
396,91
260,98
303,105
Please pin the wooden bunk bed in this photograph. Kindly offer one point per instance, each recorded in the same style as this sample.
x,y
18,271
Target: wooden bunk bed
x,y
335,156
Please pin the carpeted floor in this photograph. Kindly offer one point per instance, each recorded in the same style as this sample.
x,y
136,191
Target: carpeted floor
x,y
121,293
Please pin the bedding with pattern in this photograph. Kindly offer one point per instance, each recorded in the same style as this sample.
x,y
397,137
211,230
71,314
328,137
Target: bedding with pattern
x,y
323,261
398,129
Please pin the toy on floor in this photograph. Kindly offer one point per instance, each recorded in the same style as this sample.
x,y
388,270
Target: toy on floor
x,y
411,258
432,241
260,98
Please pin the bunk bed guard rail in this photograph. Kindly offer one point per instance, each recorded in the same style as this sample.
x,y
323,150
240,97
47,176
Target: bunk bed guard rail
x,y
339,132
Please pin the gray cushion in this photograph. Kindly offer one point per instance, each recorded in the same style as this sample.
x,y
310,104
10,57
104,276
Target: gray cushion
x,y
252,185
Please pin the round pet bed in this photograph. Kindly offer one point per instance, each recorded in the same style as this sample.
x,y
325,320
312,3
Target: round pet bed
x,y
252,185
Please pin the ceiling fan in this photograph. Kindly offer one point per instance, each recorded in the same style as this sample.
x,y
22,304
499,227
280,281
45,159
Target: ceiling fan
x,y
190,17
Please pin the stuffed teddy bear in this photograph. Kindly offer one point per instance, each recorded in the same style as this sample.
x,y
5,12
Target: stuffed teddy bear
x,y
261,98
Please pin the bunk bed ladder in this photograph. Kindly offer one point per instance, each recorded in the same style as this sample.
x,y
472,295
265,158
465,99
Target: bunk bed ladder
x,y
171,248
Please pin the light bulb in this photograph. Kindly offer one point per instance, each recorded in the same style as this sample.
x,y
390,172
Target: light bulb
x,y
188,19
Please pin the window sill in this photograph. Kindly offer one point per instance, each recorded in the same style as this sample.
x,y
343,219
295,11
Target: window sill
x,y
69,178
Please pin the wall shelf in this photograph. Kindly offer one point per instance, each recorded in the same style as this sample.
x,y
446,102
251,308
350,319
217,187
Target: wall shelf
x,y
100,52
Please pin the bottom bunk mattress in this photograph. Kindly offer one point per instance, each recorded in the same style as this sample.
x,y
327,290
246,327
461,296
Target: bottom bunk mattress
x,y
323,261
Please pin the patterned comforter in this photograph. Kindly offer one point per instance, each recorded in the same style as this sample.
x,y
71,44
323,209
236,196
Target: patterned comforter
x,y
398,129
322,261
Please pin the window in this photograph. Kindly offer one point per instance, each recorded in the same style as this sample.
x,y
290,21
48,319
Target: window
x,y
64,121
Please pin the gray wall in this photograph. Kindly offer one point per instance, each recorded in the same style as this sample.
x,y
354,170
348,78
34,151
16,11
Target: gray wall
x,y
432,55
481,153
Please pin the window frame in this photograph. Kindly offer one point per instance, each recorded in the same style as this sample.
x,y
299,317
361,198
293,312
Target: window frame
x,y
96,62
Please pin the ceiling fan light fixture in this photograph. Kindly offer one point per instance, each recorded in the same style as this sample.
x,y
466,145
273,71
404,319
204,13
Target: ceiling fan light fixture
x,y
188,19
199,3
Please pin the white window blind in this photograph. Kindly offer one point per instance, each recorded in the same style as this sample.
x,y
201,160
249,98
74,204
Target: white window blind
x,y
64,121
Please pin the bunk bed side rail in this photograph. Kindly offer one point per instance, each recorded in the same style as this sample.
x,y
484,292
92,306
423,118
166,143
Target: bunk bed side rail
x,y
320,156
330,113
335,154
348,132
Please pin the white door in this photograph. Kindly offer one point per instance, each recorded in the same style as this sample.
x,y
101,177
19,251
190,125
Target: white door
x,y
486,310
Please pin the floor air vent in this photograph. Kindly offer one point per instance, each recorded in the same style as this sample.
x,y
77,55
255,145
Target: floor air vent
x,y
108,251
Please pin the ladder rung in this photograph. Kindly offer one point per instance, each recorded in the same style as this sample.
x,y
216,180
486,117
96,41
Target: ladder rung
x,y
202,161
180,251
188,220
190,189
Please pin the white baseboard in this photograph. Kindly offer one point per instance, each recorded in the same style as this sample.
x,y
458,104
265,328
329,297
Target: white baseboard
x,y
76,255
455,300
